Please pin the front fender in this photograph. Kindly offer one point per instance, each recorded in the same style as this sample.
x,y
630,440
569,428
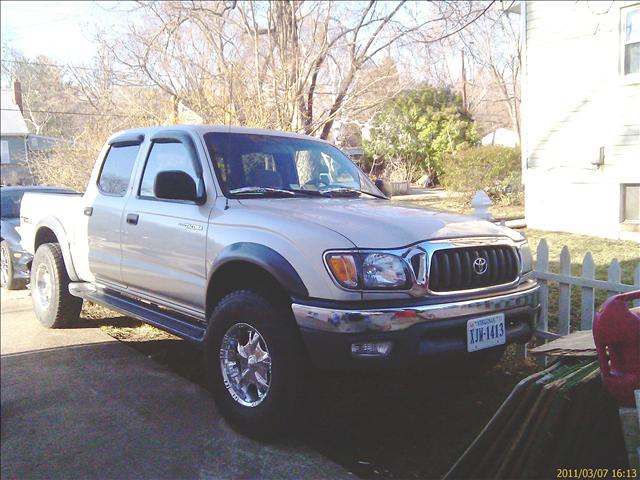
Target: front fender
x,y
57,228
265,258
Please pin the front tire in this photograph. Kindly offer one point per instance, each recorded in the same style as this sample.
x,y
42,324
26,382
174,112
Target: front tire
x,y
54,306
255,363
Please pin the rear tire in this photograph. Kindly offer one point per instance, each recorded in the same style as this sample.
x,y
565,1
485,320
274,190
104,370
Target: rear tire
x,y
247,327
7,279
54,306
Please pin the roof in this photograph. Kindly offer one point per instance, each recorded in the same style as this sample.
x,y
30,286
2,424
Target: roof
x,y
11,121
202,129
501,136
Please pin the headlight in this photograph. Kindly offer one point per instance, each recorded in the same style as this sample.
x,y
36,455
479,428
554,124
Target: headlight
x,y
525,257
382,270
368,270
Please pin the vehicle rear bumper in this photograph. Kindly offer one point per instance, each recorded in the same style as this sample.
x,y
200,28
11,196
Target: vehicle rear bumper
x,y
424,333
21,264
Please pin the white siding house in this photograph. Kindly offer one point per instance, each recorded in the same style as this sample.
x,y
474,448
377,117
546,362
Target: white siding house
x,y
581,116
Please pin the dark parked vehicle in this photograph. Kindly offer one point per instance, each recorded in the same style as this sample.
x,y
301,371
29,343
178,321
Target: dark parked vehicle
x,y
14,260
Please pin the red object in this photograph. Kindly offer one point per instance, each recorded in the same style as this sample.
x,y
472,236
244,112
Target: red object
x,y
616,332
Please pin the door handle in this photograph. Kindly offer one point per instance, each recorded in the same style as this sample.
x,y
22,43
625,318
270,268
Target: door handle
x,y
132,218
88,211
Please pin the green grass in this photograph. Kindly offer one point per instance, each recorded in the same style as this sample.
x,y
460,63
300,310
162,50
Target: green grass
x,y
499,211
602,251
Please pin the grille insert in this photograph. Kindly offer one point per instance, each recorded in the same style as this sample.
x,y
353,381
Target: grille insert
x,y
453,269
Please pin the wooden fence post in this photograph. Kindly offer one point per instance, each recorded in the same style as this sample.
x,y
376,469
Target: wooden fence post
x,y
564,307
542,265
614,275
588,271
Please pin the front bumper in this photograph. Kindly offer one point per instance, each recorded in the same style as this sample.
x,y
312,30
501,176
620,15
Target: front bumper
x,y
426,332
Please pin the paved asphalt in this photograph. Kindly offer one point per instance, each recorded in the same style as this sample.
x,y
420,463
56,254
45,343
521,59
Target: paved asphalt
x,y
76,403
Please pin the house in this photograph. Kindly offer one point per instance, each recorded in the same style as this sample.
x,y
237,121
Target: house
x,y
13,142
17,144
501,136
183,115
581,116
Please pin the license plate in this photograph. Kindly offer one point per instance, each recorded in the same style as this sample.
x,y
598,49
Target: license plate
x,y
485,332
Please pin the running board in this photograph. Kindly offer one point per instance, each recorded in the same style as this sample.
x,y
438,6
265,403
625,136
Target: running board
x,y
172,322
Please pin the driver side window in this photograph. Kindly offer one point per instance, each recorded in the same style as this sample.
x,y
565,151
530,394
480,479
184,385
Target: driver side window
x,y
163,157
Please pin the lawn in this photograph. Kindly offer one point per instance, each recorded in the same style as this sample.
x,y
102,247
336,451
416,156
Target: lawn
x,y
499,211
602,251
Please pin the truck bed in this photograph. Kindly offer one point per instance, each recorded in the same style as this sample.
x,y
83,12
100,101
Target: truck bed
x,y
35,207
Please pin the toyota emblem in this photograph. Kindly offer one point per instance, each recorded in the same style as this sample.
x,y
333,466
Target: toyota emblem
x,y
480,265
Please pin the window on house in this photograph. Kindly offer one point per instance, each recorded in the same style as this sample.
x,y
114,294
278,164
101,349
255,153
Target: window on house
x,y
631,40
4,152
631,203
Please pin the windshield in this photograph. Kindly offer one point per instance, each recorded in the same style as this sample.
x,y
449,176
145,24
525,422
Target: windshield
x,y
248,164
10,203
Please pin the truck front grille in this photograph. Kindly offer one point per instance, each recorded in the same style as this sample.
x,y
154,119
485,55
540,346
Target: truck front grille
x,y
468,268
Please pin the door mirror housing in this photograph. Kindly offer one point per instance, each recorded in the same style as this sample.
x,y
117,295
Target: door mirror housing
x,y
176,185
384,187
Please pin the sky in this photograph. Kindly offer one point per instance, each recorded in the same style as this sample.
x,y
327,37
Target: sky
x,y
64,30
61,30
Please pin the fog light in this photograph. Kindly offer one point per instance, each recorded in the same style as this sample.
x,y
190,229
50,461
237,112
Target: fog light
x,y
377,349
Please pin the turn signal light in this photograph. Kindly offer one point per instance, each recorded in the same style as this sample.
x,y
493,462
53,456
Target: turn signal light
x,y
344,270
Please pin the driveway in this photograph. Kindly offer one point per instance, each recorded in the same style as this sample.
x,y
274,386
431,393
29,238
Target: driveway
x,y
76,403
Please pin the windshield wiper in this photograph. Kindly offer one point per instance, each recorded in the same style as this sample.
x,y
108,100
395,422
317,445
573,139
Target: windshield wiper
x,y
304,191
261,191
348,190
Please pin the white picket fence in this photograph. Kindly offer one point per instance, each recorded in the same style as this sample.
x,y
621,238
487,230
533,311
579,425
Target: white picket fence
x,y
586,282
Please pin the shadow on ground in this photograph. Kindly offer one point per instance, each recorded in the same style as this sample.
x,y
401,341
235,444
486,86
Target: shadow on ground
x,y
379,426
101,411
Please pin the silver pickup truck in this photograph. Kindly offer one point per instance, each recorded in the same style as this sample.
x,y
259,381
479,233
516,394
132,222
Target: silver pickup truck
x,y
274,253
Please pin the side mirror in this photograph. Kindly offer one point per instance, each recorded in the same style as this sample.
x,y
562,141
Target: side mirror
x,y
175,185
384,187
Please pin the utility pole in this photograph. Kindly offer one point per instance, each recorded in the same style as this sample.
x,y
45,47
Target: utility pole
x,y
464,83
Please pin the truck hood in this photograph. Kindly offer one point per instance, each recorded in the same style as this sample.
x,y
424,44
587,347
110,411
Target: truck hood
x,y
379,223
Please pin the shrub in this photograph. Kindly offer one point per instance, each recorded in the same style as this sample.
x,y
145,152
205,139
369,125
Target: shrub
x,y
494,169
414,131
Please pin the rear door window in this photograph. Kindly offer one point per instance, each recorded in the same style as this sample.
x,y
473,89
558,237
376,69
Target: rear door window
x,y
116,169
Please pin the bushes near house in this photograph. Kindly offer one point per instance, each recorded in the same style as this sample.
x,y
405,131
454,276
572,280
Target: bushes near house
x,y
414,131
496,170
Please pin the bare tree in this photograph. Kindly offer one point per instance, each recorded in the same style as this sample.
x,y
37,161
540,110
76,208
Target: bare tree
x,y
493,44
292,65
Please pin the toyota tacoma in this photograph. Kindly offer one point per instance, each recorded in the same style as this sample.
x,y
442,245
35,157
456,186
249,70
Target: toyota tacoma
x,y
274,253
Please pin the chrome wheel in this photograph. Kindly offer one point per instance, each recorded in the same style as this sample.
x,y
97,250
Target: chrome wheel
x,y
4,267
42,289
246,365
